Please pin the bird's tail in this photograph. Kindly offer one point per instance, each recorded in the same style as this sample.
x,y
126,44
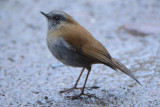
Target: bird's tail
x,y
124,69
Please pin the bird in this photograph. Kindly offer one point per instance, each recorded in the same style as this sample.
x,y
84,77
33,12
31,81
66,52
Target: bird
x,y
74,46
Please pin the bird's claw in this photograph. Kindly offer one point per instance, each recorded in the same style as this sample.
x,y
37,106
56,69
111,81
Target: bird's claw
x,y
78,96
71,89
68,90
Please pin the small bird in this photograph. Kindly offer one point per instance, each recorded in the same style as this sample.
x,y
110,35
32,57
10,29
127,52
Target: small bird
x,y
73,45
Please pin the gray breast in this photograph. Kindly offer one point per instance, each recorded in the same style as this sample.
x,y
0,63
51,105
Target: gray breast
x,y
66,53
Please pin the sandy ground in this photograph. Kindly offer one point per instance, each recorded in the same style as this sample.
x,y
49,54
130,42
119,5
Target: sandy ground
x,y
31,76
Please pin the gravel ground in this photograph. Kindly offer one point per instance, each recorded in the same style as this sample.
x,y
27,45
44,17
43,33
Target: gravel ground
x,y
31,76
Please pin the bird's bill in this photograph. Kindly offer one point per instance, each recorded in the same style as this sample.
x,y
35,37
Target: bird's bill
x,y
46,15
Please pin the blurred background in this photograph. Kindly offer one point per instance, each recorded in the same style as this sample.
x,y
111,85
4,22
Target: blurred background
x,y
31,76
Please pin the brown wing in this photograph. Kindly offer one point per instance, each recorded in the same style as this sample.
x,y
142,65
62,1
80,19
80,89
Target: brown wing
x,y
85,44
98,56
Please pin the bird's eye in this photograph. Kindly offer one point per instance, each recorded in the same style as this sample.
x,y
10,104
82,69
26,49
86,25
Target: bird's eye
x,y
56,18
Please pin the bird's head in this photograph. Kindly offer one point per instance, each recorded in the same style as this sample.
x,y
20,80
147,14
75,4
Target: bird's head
x,y
58,18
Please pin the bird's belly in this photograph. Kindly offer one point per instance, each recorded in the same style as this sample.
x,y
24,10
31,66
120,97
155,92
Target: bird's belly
x,y
66,54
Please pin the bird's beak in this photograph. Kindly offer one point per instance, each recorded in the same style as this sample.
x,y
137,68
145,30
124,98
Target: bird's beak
x,y
46,15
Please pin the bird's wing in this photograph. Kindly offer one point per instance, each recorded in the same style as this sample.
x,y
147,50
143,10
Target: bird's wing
x,y
86,45
99,55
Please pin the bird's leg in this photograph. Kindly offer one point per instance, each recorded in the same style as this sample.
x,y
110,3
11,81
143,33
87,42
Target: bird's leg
x,y
75,86
82,92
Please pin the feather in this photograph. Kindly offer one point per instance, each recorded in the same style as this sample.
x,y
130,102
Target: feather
x,y
124,69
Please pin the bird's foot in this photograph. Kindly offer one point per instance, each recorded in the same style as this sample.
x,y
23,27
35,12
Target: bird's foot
x,y
68,90
71,89
78,96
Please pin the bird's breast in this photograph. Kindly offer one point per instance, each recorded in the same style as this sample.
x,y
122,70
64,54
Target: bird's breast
x,y
65,52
